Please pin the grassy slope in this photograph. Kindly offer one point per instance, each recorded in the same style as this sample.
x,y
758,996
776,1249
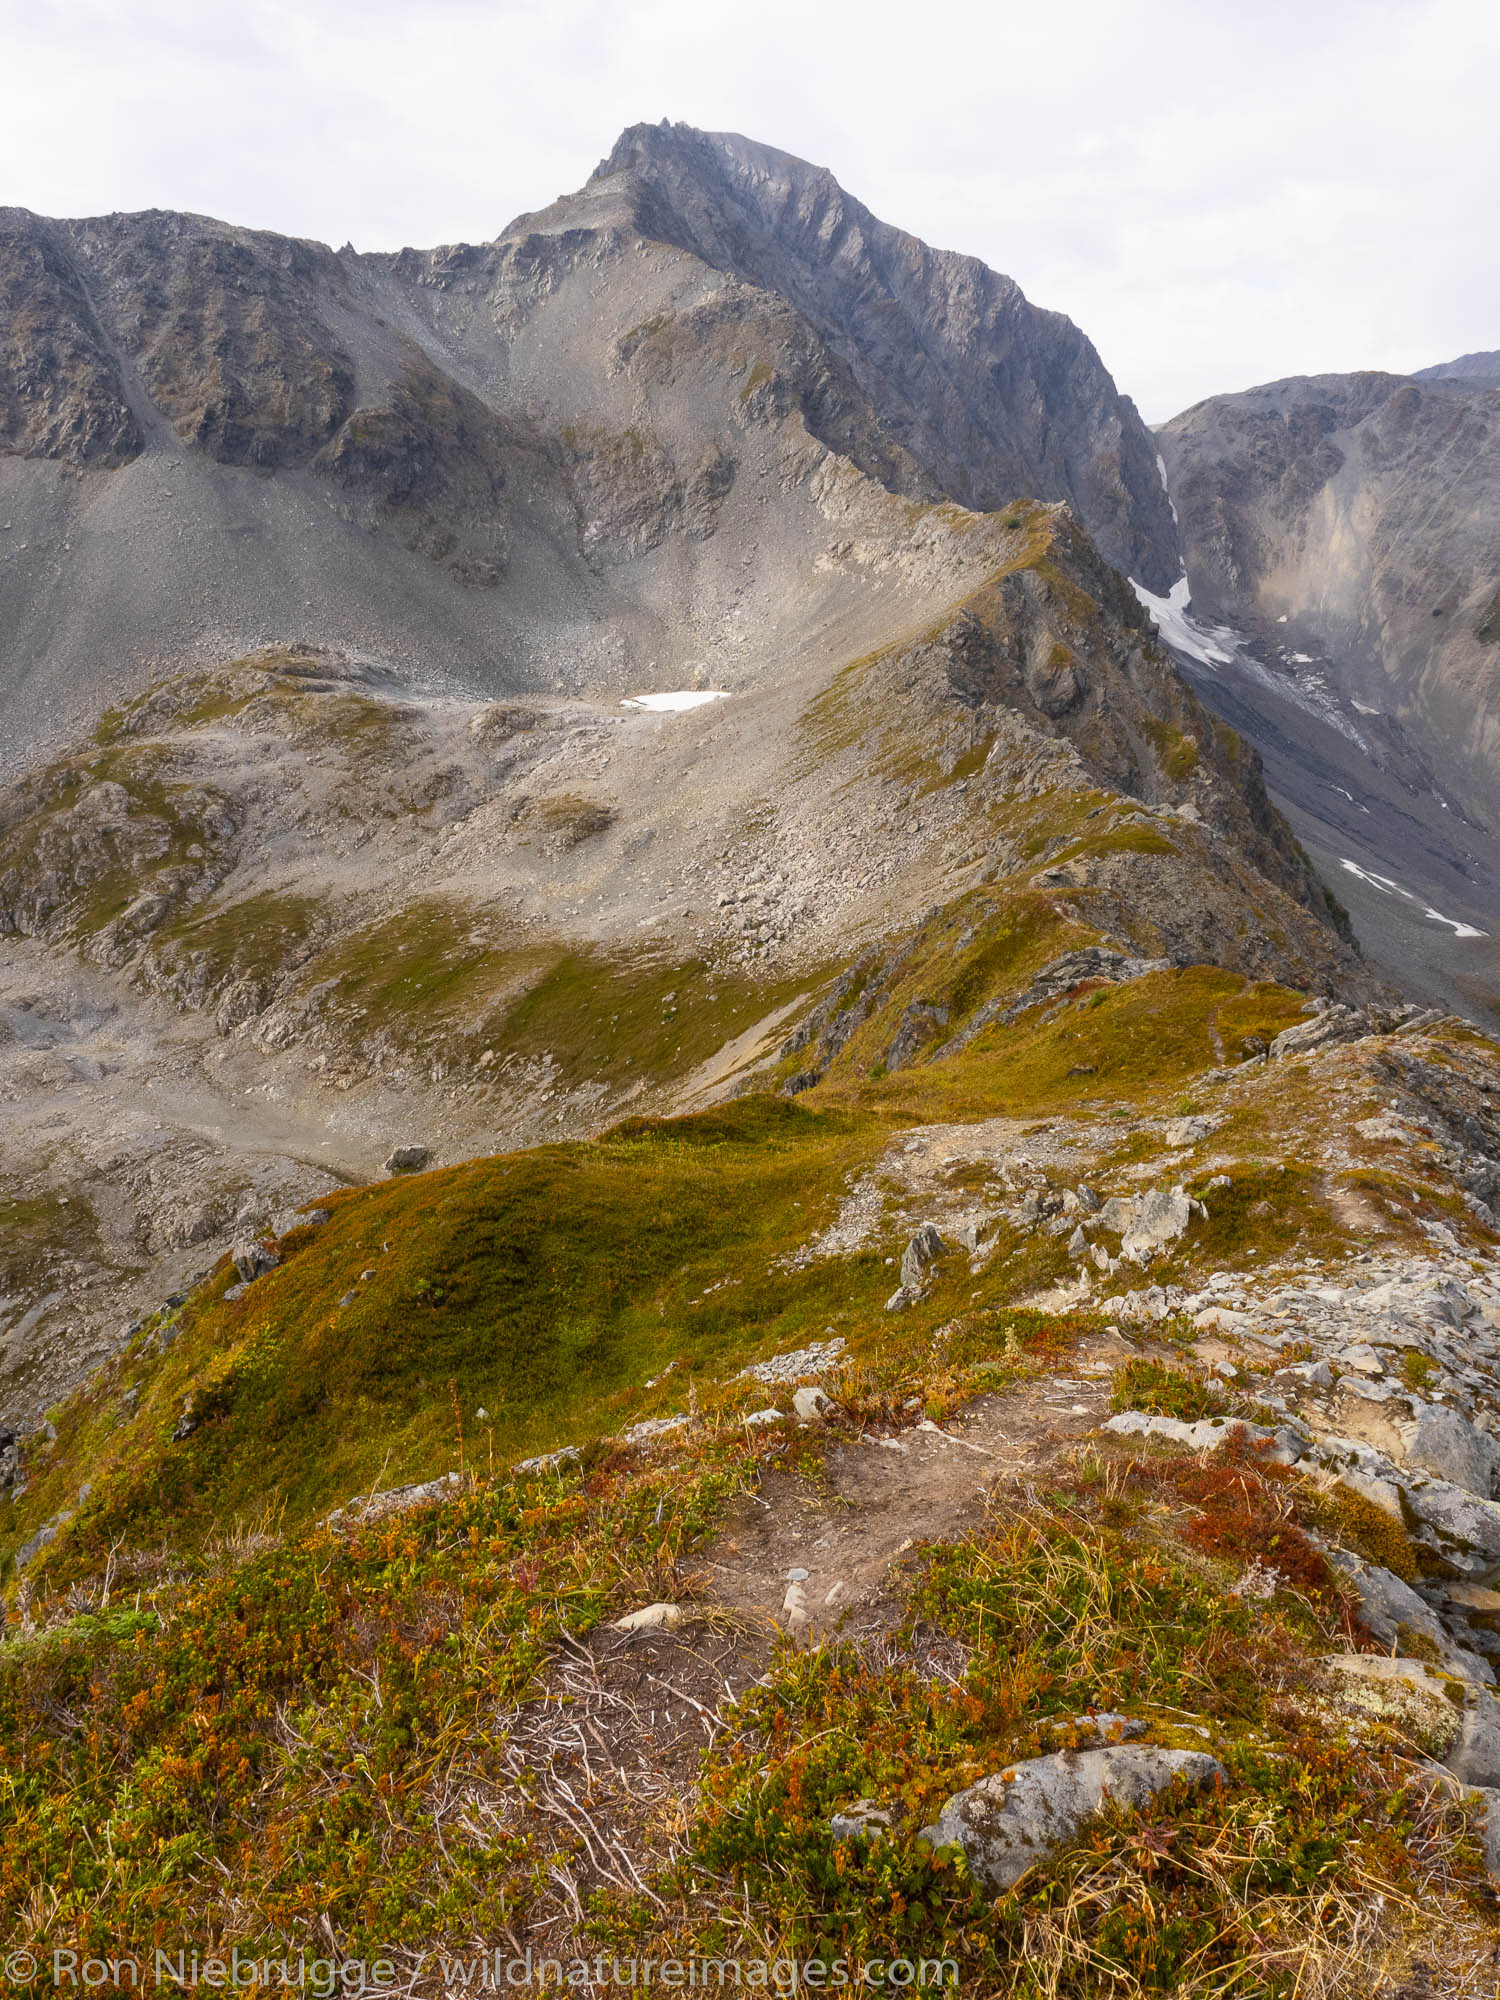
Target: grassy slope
x,y
549,1287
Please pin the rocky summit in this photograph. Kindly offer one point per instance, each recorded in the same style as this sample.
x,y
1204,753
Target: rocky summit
x,y
715,1243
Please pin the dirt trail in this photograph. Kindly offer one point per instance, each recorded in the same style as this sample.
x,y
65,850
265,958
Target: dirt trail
x,y
883,1494
610,1751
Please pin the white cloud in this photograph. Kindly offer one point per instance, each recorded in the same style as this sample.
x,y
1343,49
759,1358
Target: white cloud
x,y
1217,195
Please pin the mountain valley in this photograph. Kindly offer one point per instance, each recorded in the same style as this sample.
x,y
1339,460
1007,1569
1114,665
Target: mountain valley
x,y
751,1192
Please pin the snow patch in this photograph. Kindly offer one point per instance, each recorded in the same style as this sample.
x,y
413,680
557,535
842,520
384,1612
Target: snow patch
x,y
1169,614
1389,888
1161,466
684,698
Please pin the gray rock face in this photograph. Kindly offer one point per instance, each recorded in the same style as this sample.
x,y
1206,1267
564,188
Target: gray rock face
x,y
1447,1445
1008,1822
1364,511
919,1257
408,1160
989,395
1387,1603
600,387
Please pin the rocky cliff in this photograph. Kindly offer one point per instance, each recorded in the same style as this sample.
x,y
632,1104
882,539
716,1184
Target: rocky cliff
x,y
1355,520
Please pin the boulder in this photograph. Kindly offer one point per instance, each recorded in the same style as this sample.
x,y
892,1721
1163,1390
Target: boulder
x,y
1467,1528
1146,1222
918,1259
1008,1822
1448,1446
408,1159
252,1258
1335,1023
1190,1131
811,1404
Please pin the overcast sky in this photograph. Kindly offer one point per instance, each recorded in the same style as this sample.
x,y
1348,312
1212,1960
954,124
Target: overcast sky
x,y
1218,194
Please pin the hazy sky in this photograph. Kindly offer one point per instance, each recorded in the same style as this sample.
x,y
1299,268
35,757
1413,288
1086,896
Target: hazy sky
x,y
1217,193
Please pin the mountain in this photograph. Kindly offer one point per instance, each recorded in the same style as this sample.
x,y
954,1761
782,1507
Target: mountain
x,y
509,463
278,917
1467,368
1358,518
1340,540
705,1223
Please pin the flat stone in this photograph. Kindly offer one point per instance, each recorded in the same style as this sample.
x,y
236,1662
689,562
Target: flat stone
x,y
1475,1596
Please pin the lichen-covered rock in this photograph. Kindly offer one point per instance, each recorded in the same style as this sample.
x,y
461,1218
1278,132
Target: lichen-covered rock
x,y
1403,1693
1008,1822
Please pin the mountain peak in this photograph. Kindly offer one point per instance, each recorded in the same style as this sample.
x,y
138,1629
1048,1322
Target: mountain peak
x,y
992,395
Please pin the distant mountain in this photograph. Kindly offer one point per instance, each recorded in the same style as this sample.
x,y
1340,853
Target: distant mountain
x,y
537,463
1467,368
1357,519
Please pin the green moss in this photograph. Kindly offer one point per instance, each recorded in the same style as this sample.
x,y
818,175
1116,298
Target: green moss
x,y
1176,752
1144,1040
759,375
37,1230
264,935
1358,1524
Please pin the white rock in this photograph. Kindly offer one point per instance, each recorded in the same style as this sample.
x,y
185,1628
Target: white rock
x,y
652,1618
1361,1357
653,1427
866,1819
1207,1434
810,1404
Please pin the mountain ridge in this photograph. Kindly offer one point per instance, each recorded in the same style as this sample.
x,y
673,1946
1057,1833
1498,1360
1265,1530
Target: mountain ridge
x,y
434,456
